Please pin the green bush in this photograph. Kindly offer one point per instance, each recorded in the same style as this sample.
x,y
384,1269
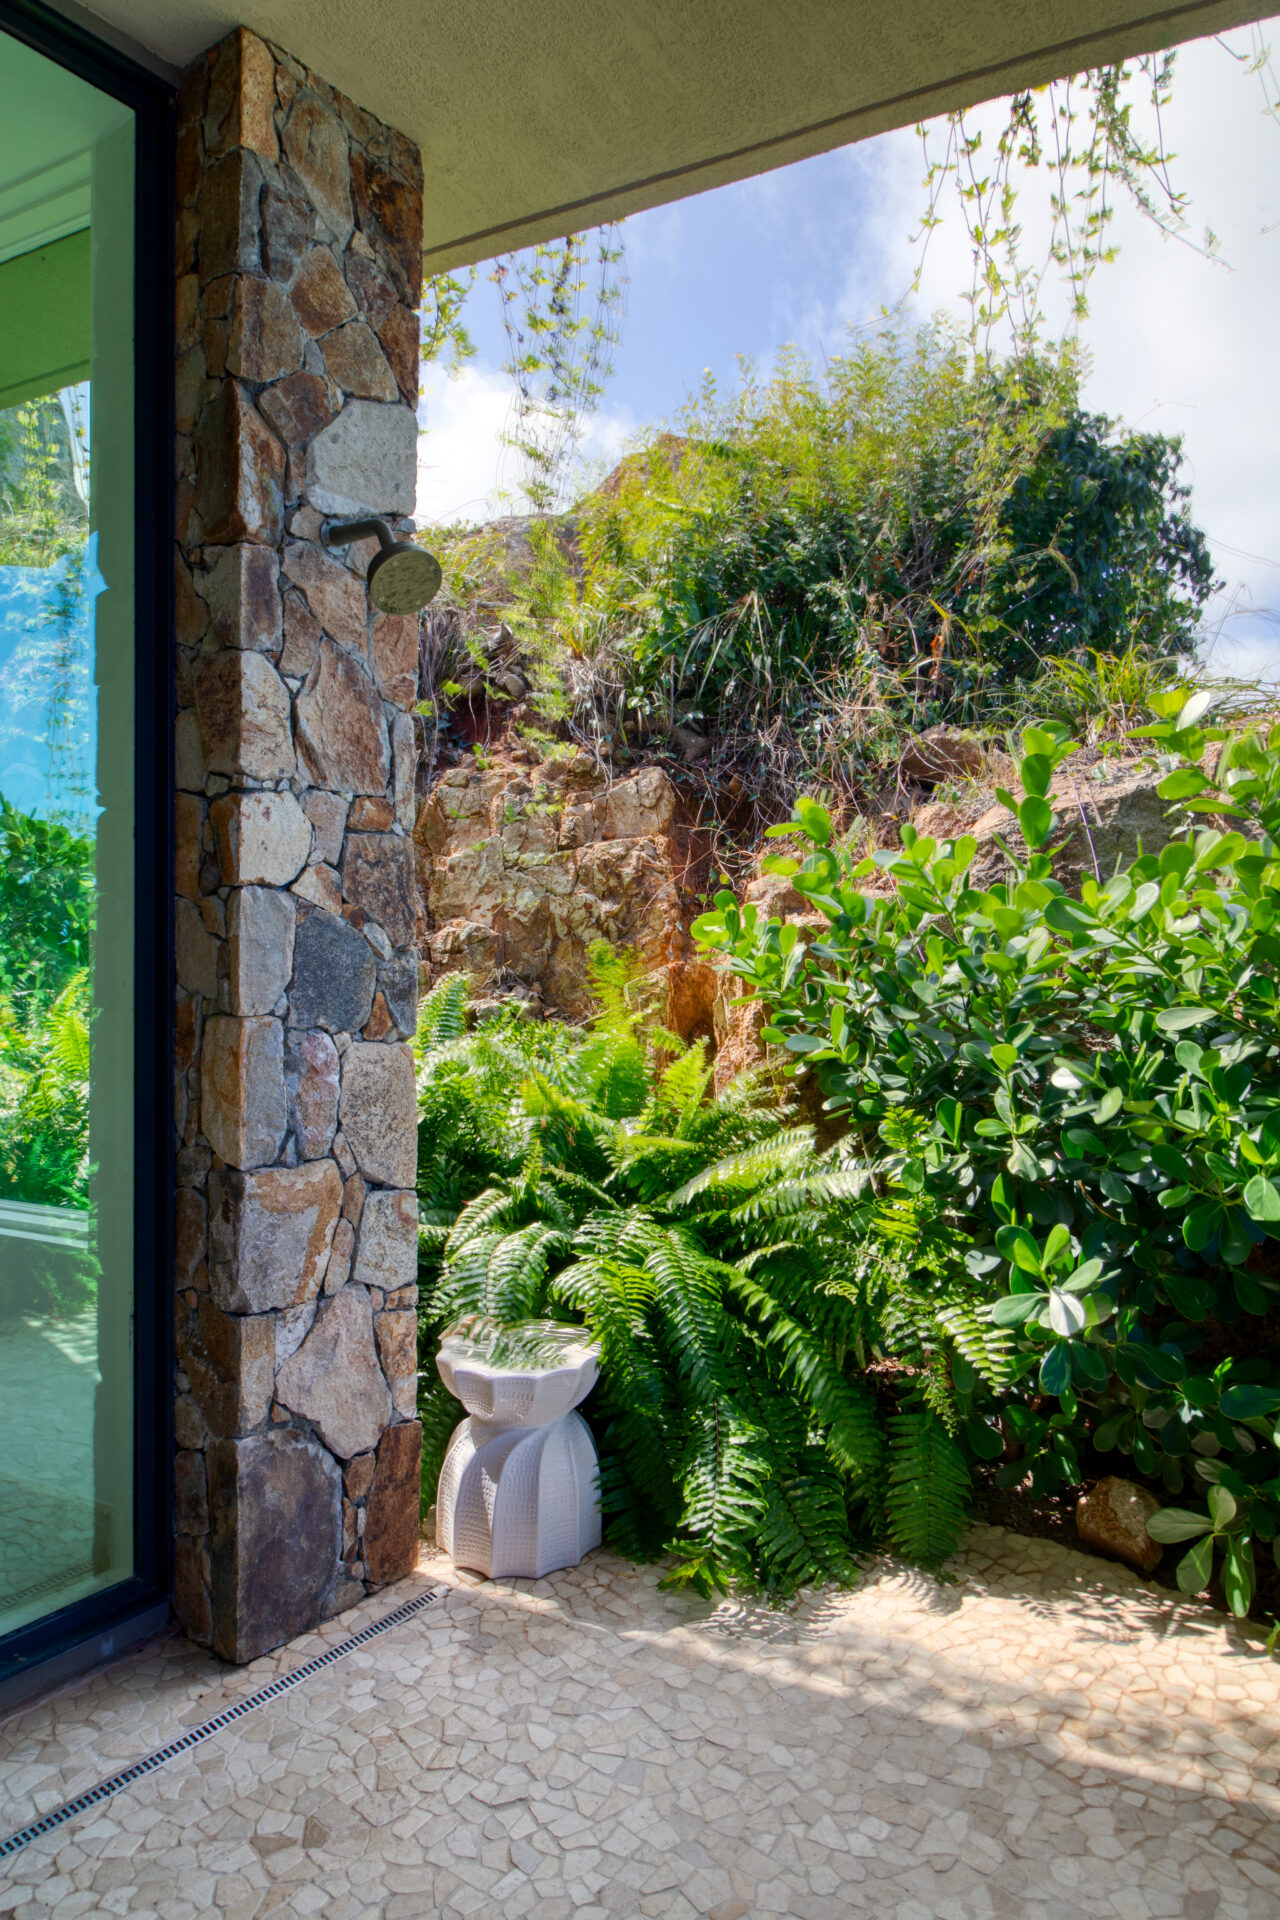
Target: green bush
x,y
1071,1105
590,1177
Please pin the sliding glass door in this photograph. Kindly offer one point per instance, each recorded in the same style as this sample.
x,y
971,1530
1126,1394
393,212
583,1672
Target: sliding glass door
x,y
69,846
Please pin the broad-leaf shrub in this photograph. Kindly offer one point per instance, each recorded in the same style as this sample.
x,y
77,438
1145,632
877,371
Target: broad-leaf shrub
x,y
592,1178
1076,1096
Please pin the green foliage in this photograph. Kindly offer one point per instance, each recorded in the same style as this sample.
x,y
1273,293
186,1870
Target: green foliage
x,y
46,909
819,563
1076,1096
592,1178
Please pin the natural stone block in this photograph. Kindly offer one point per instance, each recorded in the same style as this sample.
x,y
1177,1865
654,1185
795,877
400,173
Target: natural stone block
x,y
240,587
242,1099
242,97
240,471
388,1256
286,232
365,461
228,216
335,596
315,144
397,1337
190,1493
334,1379
389,212
292,1327
270,1235
398,982
321,297
190,1237
334,975
265,341
243,708
195,952
342,732
353,359
263,839
398,338
276,1509
379,1023
312,1080
377,876
378,1112
189,769
188,828
260,930
327,813
338,1271
395,657
229,1359
374,289
404,751
191,1589
392,1523
371,815
357,1476
322,886
301,637
298,406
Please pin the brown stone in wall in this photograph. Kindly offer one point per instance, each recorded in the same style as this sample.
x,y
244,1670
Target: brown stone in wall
x,y
270,1233
321,297
301,637
239,472
353,359
191,1589
377,877
399,337
298,406
229,1359
392,1526
238,590
341,729
286,232
262,839
243,1113
334,1379
312,1079
242,706
374,290
315,145
265,341
228,214
389,213
335,596
395,657
276,1509
191,1239
242,98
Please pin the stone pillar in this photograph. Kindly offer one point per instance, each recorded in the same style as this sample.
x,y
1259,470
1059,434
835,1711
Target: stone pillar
x,y
297,925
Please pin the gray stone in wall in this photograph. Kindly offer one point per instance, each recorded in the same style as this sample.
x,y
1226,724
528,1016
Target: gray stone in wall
x,y
312,1079
388,1252
378,1111
365,461
334,1379
260,934
243,1111
275,1504
398,983
334,973
270,1234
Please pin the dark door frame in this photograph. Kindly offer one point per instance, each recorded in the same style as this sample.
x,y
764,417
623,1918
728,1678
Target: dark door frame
x,y
49,1651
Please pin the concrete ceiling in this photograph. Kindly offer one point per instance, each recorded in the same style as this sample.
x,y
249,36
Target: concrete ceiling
x,y
539,116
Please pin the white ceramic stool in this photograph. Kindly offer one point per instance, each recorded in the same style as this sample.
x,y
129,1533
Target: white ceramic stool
x,y
519,1490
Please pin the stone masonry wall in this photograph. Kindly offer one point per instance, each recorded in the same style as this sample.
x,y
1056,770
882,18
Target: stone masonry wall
x,y
297,925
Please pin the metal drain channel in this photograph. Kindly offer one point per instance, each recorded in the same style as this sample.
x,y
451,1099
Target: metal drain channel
x,y
104,1790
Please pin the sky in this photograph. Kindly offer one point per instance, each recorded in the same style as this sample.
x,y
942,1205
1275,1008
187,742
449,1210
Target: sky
x,y
1176,342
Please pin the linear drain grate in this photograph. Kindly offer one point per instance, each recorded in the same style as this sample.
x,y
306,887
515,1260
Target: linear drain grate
x,y
197,1735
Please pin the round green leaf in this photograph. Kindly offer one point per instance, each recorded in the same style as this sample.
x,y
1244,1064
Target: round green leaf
x,y
1035,817
1055,1369
1171,1524
1249,1403
984,1439
1195,1569
1262,1198
1174,1019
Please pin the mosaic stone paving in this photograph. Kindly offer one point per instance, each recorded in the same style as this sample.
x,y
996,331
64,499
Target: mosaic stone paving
x,y
1042,1739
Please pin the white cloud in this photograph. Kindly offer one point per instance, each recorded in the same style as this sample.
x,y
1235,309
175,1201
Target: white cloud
x,y
465,472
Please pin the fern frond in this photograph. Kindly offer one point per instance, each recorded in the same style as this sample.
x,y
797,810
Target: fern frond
x,y
928,1490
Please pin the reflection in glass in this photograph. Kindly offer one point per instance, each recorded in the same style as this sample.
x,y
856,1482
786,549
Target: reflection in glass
x,y
66,805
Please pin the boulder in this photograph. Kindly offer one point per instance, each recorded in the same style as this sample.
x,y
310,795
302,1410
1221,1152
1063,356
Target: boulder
x,y
943,753
1107,816
1111,1518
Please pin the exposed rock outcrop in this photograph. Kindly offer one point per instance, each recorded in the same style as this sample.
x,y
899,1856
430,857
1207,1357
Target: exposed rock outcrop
x,y
522,869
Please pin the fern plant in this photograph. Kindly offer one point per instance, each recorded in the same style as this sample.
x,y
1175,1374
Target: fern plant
x,y
594,1179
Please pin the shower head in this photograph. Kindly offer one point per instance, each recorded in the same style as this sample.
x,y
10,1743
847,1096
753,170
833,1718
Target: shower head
x,y
402,578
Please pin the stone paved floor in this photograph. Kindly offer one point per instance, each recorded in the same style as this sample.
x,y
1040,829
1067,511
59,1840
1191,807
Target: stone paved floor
x,y
1044,1738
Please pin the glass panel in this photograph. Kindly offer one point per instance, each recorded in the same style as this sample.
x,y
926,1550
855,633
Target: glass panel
x,y
66,837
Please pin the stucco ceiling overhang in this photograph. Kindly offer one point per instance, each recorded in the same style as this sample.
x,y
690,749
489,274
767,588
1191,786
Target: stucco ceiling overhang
x,y
539,116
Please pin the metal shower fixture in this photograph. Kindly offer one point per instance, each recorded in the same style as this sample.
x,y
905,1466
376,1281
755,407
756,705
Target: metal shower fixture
x,y
402,578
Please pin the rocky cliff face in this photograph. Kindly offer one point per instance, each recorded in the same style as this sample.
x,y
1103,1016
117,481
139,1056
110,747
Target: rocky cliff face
x,y
522,868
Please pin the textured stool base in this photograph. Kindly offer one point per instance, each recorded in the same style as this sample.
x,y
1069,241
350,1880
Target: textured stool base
x,y
518,1502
